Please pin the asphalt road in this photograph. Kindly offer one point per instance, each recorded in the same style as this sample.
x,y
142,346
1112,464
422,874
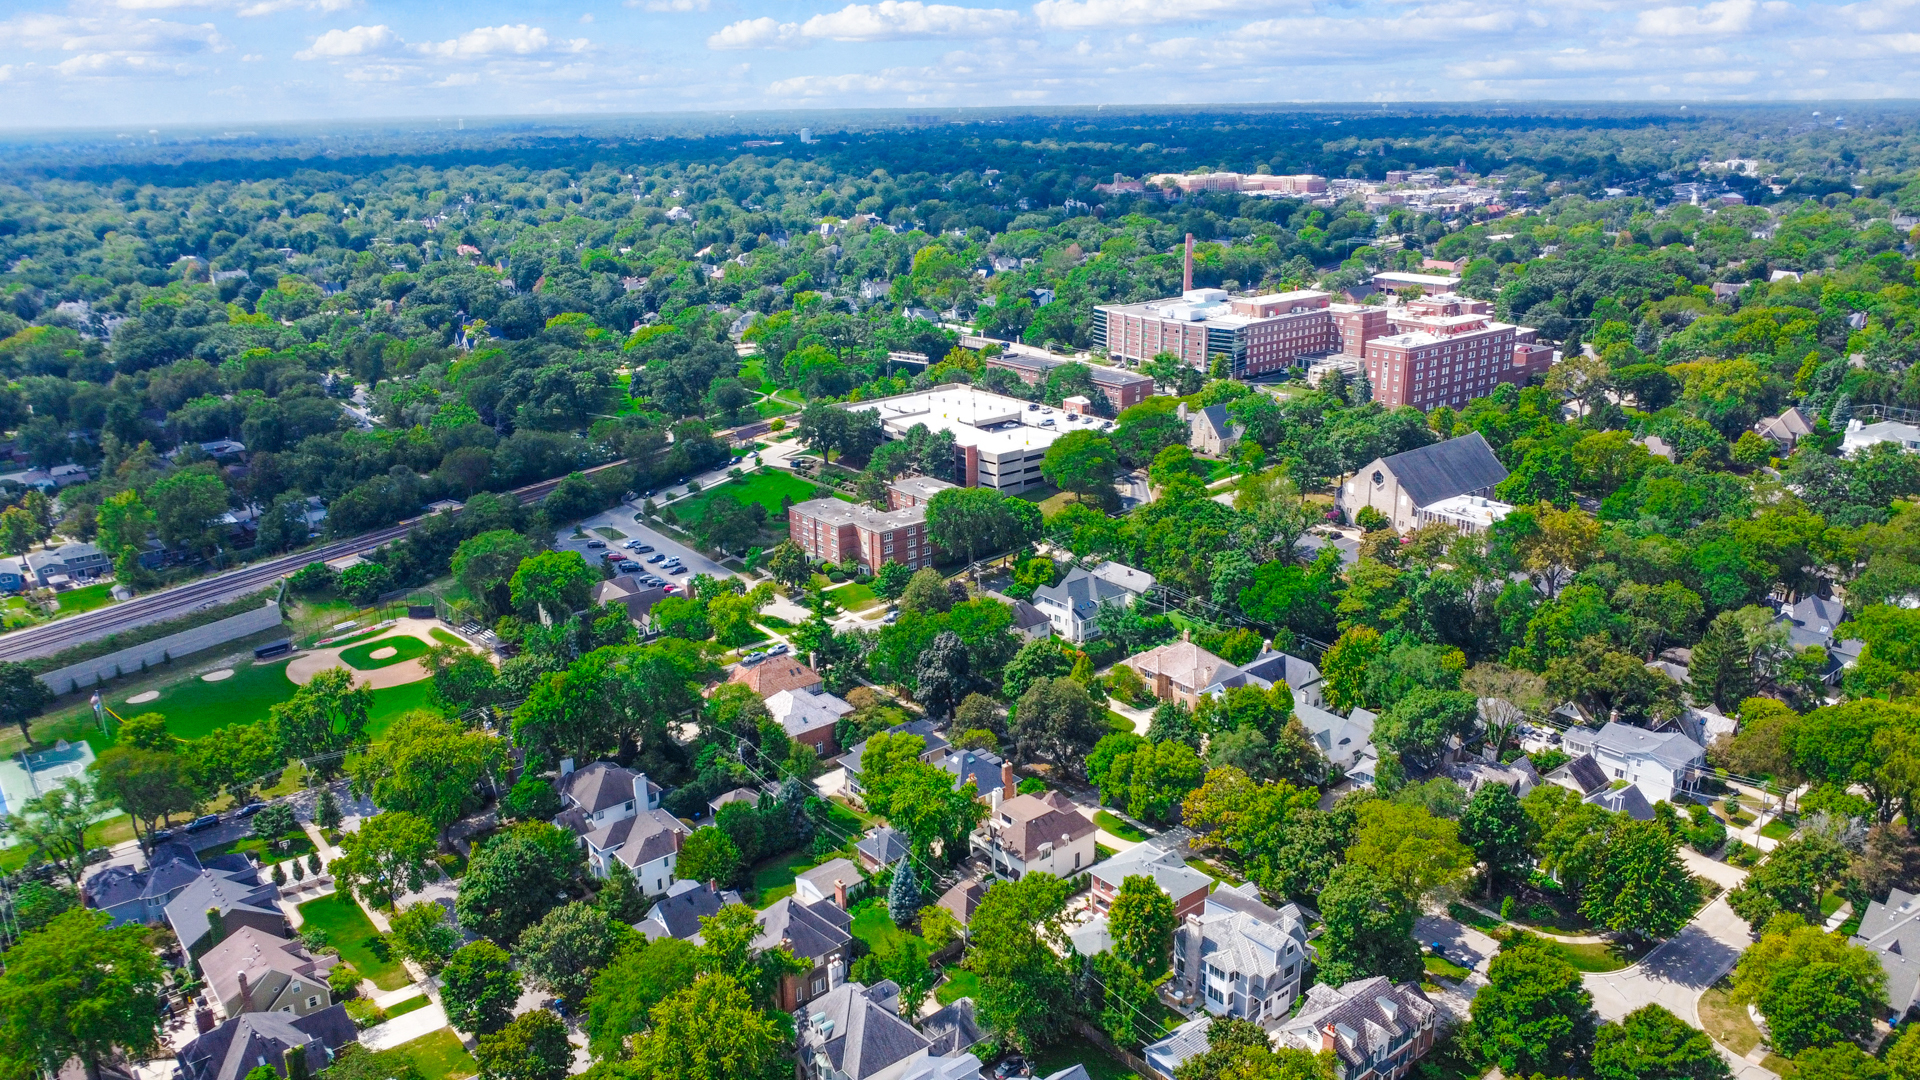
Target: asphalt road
x,y
622,518
48,638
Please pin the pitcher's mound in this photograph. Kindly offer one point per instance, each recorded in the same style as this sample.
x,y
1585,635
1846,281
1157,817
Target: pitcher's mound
x,y
382,654
217,676
143,697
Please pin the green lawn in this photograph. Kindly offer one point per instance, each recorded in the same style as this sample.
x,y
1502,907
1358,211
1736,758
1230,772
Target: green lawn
x,y
394,702
1117,827
1472,917
1440,965
855,597
873,925
85,599
1777,829
1119,723
1074,1050
296,845
769,408
1598,956
960,983
438,1055
195,708
406,647
764,486
349,930
773,877
447,637
412,1004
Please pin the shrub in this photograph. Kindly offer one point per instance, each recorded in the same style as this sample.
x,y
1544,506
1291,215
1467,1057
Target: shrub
x,y
365,1013
343,980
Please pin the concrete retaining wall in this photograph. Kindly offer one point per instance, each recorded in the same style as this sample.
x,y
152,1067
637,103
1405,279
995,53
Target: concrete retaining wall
x,y
172,647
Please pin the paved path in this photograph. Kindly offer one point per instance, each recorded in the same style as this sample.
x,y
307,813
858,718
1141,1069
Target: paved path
x,y
1462,943
1675,974
404,1029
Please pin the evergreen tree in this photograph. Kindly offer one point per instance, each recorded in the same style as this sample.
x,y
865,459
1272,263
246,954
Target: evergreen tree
x,y
327,814
1360,390
620,897
903,899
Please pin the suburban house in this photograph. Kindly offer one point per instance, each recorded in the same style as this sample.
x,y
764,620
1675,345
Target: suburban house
x,y
1586,776
1189,1040
1028,621
1785,430
141,896
1375,1029
1472,773
1342,740
1177,671
883,845
1033,833
1813,620
820,934
771,676
250,1040
1891,928
254,972
809,717
1664,765
991,774
936,748
83,560
13,575
1210,430
1400,486
678,914
1238,957
827,883
962,898
616,814
855,1032
1270,669
1860,435
1073,606
1185,885
638,598
235,902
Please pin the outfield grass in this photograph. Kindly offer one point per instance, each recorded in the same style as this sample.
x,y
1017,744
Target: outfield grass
x,y
763,486
84,599
349,930
438,1055
394,702
447,637
1117,827
195,708
406,647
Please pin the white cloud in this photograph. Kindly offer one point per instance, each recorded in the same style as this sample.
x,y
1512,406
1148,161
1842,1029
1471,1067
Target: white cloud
x,y
459,78
112,46
1486,69
889,20
1719,78
669,5
246,8
1718,19
358,41
814,86
487,41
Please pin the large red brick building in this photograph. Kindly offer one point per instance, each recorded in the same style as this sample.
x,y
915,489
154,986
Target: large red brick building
x,y
835,531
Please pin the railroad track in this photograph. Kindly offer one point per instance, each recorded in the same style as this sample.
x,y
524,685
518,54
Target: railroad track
x,y
49,638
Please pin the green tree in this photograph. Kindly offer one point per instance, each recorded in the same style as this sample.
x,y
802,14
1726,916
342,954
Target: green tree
x,y
890,580
553,583
421,933
479,988
125,523
147,785
1141,919
531,798
323,721
565,949
1813,988
620,895
1843,1061
1240,1050
1056,722
533,1047
1344,666
79,989
1367,928
1534,1015
1022,980
1423,723
431,767
709,854
22,697
977,521
1651,1043
53,826
511,880
926,592
1794,879
903,895
711,1031
384,857
1497,830
787,562
626,990
1085,463
486,563
1640,886
18,531
1415,853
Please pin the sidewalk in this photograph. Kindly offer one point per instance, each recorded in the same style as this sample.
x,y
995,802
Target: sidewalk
x,y
404,1029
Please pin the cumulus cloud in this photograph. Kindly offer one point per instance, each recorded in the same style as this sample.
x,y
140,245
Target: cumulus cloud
x,y
101,46
247,8
358,41
490,41
889,20
1721,18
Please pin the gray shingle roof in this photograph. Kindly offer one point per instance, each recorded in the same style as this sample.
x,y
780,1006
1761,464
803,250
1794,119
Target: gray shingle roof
x,y
640,839
1082,593
855,1033
1891,928
1445,469
600,786
187,912
1215,417
811,930
1371,1017
686,903
952,1029
1586,774
883,844
231,1050
1167,869
1670,748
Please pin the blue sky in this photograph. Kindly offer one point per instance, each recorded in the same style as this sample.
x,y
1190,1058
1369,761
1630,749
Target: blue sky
x,y
66,63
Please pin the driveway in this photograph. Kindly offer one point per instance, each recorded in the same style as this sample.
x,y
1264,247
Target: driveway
x,y
1461,943
621,518
1675,974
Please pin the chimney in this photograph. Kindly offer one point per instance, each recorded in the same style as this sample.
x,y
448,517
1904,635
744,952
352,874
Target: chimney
x,y
245,1000
566,766
1328,1039
203,1019
1007,783
640,793
836,973
713,886
840,894
1187,281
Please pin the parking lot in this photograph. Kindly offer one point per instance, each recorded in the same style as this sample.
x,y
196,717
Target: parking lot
x,y
620,519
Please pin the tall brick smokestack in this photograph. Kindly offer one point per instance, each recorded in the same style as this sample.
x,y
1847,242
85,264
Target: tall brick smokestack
x,y
1187,282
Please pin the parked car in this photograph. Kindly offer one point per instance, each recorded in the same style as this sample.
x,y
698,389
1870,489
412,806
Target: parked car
x,y
1012,1067
892,617
678,570
203,823
596,543
627,566
631,544
657,558
641,549
250,809
752,658
778,650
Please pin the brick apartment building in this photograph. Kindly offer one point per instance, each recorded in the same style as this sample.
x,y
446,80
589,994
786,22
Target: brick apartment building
x,y
835,531
1446,350
1121,388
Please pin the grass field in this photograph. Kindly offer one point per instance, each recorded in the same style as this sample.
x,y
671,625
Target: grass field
x,y
85,599
349,930
295,845
855,597
769,408
1440,965
412,1004
447,637
396,701
1117,827
195,708
773,877
406,647
1074,1050
960,983
872,925
764,486
438,1055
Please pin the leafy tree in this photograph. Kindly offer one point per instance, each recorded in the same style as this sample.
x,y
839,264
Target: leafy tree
x,y
979,520
904,961
620,895
421,933
486,563
1344,665
565,949
903,895
1414,852
710,1031
148,785
1046,657
1421,724
1022,980
78,989
942,674
53,826
1651,1042
1794,879
1843,1061
1085,463
1814,989
624,993
1534,1015
1055,721
1240,1048
479,988
890,580
1148,779
709,854
511,881
364,583
430,767
238,759
557,583
1640,886
274,822
38,903
1497,830
1127,1001
22,697
1368,928
531,798
1142,922
323,721
384,857
533,1046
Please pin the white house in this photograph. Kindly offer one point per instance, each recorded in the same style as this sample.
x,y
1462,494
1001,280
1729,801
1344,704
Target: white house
x,y
1859,436
1073,606
1400,487
1664,765
1036,833
616,814
1238,957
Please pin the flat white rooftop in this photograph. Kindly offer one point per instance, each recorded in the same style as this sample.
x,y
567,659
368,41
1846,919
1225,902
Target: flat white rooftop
x,y
994,423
